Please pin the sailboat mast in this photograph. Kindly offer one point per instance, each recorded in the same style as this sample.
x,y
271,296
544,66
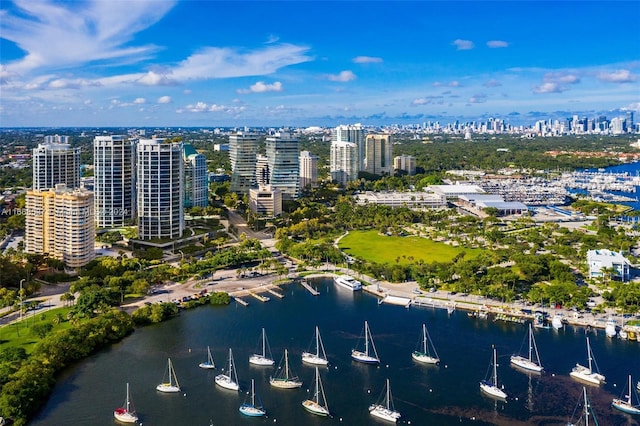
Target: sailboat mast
x,y
424,338
127,403
264,340
495,368
388,394
317,342
286,364
366,338
589,356
628,396
317,387
586,404
253,393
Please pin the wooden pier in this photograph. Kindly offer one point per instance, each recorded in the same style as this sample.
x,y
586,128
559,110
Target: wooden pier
x,y
276,294
259,297
241,301
312,290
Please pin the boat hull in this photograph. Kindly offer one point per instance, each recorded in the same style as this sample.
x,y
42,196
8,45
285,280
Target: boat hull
x,y
315,408
526,364
260,360
585,375
314,359
124,416
424,358
225,382
206,366
251,411
625,407
167,388
364,358
492,391
384,413
285,384
348,283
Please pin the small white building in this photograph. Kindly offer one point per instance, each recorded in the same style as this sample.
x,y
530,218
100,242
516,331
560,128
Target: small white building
x,y
598,260
265,200
414,200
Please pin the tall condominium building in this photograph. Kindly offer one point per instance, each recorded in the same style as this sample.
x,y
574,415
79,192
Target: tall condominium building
x,y
308,169
243,148
55,163
406,163
284,169
60,222
344,162
262,170
196,182
351,133
377,154
160,173
114,181
56,139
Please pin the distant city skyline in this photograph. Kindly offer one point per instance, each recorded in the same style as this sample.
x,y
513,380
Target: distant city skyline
x,y
150,63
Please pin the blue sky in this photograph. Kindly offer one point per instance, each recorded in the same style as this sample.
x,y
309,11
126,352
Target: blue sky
x,y
294,63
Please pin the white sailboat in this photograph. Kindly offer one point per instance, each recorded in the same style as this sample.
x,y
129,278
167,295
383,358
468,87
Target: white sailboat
x,y
126,413
262,358
490,386
284,379
172,385
626,405
532,362
229,380
385,409
370,355
587,412
587,374
319,357
427,352
318,404
253,408
208,364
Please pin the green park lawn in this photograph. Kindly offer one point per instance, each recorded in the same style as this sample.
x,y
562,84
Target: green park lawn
x,y
21,335
374,247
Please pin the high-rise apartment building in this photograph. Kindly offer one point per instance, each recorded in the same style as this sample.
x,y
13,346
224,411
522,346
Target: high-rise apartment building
x,y
60,222
283,150
243,148
353,133
196,182
55,163
377,154
406,163
344,162
308,169
160,194
114,181
262,170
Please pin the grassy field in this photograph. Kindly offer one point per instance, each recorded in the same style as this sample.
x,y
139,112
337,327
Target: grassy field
x,y
374,247
20,335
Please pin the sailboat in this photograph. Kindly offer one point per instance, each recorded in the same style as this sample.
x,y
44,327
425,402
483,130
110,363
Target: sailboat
x,y
262,359
427,353
208,364
490,386
587,412
318,405
254,407
587,374
370,355
229,380
284,379
126,413
532,362
172,385
319,357
626,405
385,409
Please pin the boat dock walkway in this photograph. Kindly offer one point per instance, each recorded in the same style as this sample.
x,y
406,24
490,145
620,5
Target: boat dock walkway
x,y
259,297
276,294
396,300
311,290
241,301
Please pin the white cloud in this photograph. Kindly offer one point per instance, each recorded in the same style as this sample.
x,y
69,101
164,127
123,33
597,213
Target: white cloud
x,y
262,87
496,44
164,100
343,76
549,88
454,83
561,77
78,32
463,44
492,83
204,107
153,78
139,101
367,60
420,101
478,99
619,76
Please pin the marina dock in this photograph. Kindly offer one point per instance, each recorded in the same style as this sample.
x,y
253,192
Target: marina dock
x,y
395,300
259,297
311,290
276,294
241,301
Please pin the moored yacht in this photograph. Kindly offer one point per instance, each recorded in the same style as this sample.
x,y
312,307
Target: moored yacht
x,y
348,282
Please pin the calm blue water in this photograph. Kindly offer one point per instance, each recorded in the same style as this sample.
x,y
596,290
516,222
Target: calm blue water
x,y
633,169
87,393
